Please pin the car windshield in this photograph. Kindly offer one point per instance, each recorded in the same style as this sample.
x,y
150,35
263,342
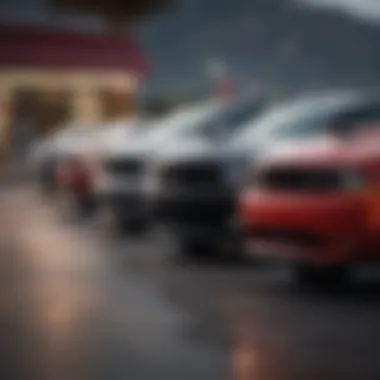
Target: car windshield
x,y
301,119
231,118
183,121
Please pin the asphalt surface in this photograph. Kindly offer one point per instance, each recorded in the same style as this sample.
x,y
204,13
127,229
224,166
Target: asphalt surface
x,y
79,302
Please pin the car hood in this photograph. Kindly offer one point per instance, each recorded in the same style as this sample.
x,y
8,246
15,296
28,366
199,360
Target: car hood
x,y
193,149
74,147
168,149
196,149
202,150
233,162
324,151
323,148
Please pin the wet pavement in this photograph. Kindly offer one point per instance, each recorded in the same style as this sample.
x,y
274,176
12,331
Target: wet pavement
x,y
78,303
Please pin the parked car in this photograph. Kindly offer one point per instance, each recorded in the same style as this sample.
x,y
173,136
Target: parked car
x,y
316,203
122,180
196,189
189,188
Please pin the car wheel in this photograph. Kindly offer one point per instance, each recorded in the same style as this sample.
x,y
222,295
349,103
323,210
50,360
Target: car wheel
x,y
47,187
130,227
87,206
320,276
232,252
195,250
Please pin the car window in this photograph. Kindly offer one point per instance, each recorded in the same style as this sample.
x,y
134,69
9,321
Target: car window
x,y
231,118
306,125
295,120
183,121
362,116
283,122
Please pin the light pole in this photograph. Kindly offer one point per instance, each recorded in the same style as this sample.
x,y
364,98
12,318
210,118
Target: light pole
x,y
217,71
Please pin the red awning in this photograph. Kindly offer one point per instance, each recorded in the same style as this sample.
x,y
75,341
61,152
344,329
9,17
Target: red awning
x,y
43,47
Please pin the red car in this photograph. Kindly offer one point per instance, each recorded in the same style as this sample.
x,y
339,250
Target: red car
x,y
316,205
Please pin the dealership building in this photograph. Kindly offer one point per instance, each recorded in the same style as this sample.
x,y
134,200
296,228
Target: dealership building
x,y
51,75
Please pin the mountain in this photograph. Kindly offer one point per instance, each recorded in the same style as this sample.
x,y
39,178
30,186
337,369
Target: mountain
x,y
279,43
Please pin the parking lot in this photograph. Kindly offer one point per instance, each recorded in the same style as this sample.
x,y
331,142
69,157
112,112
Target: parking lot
x,y
80,302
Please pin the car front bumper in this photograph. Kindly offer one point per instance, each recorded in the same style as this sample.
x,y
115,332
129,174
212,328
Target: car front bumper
x,y
309,229
205,217
126,206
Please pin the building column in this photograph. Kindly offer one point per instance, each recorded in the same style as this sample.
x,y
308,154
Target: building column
x,y
116,104
5,120
86,105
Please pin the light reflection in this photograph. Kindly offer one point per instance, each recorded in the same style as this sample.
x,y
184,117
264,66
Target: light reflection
x,y
62,313
257,346
244,362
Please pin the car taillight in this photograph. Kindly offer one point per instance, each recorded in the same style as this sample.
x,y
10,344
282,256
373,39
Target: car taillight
x,y
93,166
63,173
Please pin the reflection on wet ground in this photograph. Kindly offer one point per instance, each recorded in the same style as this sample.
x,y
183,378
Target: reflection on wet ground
x,y
77,303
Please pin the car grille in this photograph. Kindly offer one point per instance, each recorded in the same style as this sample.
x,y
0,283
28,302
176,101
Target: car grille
x,y
202,213
300,179
293,237
124,166
193,174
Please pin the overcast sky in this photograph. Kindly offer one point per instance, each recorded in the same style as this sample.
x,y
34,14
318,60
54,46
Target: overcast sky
x,y
178,56
36,10
368,10
39,13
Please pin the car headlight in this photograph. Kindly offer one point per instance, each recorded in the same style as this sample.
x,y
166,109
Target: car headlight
x,y
352,179
235,172
152,177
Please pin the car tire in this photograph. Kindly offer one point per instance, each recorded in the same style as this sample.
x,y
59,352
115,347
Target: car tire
x,y
131,227
46,189
195,250
320,276
87,206
47,186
